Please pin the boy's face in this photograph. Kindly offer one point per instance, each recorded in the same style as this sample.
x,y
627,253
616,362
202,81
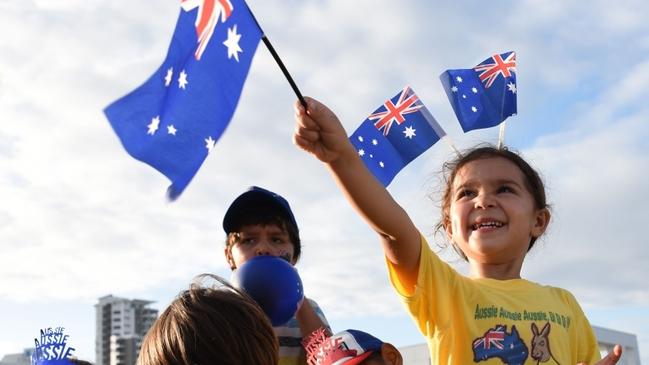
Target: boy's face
x,y
257,240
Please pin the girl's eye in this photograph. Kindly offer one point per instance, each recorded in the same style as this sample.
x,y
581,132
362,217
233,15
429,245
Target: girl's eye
x,y
278,240
465,194
505,189
247,240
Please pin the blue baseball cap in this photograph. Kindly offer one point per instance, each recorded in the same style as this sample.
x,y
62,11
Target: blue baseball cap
x,y
256,198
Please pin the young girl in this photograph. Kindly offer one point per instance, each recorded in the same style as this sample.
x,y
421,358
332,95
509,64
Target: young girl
x,y
493,210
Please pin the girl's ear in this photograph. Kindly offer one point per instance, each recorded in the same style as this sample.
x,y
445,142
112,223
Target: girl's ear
x,y
542,220
448,227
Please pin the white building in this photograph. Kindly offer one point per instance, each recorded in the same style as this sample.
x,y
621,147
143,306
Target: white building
x,y
120,327
607,338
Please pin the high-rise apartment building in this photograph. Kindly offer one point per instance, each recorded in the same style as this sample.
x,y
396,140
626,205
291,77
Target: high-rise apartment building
x,y
120,327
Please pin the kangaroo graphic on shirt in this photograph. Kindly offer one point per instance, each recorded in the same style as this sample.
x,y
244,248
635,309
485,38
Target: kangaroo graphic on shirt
x,y
541,345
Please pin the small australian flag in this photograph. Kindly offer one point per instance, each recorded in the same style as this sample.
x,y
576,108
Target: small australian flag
x,y
485,95
395,134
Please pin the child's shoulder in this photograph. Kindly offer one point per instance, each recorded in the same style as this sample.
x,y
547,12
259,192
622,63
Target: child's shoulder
x,y
562,293
524,285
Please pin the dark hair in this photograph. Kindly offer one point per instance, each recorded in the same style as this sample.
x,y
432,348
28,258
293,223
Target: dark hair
x,y
210,325
533,181
266,216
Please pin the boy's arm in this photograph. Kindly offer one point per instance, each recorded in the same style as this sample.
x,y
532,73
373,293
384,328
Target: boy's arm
x,y
320,133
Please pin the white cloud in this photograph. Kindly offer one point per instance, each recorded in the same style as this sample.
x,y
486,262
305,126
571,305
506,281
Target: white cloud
x,y
594,185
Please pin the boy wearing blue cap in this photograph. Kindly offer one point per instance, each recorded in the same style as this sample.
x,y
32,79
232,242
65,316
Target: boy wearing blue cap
x,y
260,222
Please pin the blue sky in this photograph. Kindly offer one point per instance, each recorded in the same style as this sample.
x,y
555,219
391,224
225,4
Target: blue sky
x,y
80,218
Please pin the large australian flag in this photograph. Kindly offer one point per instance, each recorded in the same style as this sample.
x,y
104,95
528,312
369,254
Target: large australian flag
x,y
395,134
485,95
174,119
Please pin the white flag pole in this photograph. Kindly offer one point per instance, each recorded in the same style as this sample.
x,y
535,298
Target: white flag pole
x,y
501,136
452,145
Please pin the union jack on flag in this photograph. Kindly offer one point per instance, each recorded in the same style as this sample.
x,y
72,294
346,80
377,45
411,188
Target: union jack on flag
x,y
494,337
396,133
495,66
391,113
206,18
483,96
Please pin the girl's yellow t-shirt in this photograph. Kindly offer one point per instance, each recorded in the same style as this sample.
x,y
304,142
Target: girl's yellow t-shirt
x,y
487,321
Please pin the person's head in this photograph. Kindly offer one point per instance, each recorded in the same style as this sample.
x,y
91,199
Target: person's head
x,y
494,204
210,324
260,222
350,347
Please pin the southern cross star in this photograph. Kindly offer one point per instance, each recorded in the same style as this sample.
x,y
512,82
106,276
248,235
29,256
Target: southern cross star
x,y
170,73
209,144
182,80
153,126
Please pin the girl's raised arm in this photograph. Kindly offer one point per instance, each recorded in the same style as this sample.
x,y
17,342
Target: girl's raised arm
x,y
319,132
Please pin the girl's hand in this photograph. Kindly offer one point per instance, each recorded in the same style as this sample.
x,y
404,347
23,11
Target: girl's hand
x,y
319,132
611,359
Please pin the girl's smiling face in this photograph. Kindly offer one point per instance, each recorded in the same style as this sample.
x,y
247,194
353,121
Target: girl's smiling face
x,y
493,216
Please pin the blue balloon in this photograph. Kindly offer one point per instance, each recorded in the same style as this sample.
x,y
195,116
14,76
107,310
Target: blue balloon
x,y
273,283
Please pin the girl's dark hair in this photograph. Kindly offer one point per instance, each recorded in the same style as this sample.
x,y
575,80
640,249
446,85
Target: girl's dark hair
x,y
533,181
214,324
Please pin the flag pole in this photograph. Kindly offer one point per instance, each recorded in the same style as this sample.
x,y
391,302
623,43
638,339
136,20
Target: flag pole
x,y
501,135
452,145
284,70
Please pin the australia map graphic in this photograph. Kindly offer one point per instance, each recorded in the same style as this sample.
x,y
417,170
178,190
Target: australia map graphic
x,y
498,343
